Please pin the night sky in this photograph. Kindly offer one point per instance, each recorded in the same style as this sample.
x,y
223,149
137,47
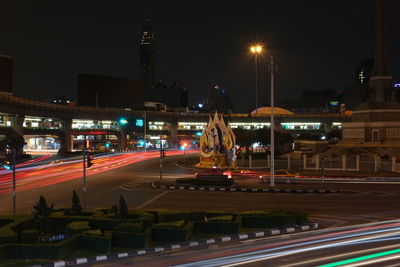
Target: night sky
x,y
317,44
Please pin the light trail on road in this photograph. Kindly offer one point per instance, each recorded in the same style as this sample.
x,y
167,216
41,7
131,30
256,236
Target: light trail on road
x,y
51,173
329,241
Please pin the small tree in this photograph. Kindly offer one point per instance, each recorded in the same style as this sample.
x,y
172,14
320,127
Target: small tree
x,y
76,206
42,215
114,209
123,208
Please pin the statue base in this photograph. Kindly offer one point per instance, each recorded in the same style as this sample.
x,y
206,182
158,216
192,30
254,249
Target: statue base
x,y
218,160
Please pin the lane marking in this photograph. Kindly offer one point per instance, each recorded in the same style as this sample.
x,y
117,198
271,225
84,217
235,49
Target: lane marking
x,y
151,200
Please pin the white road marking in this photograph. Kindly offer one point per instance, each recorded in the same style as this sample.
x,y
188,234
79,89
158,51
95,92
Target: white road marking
x,y
151,200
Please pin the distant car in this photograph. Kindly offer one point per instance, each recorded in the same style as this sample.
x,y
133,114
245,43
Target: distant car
x,y
281,176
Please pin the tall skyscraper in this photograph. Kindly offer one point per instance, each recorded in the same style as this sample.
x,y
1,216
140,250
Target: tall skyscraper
x,y
147,53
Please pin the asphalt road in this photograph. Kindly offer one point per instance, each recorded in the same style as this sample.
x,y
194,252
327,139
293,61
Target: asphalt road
x,y
104,186
374,244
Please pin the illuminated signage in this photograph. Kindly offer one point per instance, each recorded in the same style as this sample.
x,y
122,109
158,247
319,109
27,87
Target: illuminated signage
x,y
139,122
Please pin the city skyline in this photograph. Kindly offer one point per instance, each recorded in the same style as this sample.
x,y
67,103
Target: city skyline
x,y
67,39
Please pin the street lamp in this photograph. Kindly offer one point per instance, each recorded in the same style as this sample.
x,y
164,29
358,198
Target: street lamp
x,y
256,49
272,70
184,153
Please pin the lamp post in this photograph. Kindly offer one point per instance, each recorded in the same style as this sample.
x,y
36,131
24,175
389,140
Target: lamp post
x,y
256,49
272,70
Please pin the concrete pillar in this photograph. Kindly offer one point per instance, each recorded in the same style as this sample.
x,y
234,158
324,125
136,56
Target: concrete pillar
x,y
304,161
288,162
317,162
66,143
174,134
344,162
250,162
268,161
376,163
358,162
242,161
122,139
394,163
17,124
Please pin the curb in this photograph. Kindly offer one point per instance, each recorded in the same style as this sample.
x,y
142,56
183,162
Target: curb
x,y
186,244
252,190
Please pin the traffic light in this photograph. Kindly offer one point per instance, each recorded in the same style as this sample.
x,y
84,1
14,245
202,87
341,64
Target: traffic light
x,y
163,154
123,121
7,164
90,158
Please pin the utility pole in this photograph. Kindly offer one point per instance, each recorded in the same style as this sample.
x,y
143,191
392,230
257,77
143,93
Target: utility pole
x,y
161,159
272,70
145,131
13,156
84,172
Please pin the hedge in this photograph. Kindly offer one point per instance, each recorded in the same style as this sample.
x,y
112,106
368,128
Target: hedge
x,y
275,218
162,233
129,227
218,227
39,250
77,227
11,232
164,215
29,236
94,243
192,181
131,240
103,223
63,249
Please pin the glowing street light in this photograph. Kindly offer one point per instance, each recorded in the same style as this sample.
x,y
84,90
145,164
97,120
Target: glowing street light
x,y
256,49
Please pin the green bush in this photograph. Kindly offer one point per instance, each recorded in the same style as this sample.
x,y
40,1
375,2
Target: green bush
x,y
131,240
93,232
225,218
29,236
11,232
161,233
129,227
77,227
219,226
174,224
94,243
177,215
39,250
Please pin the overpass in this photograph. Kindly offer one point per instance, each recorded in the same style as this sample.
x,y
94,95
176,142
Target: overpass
x,y
68,124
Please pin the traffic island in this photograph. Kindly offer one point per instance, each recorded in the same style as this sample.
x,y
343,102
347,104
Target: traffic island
x,y
70,236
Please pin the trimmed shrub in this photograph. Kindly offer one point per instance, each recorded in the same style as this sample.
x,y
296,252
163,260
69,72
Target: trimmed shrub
x,y
274,218
178,224
162,233
131,240
29,236
44,251
11,232
76,206
93,232
176,215
129,227
191,181
219,226
94,243
123,208
77,227
225,218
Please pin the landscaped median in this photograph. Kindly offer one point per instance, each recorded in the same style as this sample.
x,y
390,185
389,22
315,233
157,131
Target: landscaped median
x,y
74,236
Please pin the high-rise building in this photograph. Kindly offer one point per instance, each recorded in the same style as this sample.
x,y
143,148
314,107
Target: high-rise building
x,y
363,71
147,53
219,101
6,74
